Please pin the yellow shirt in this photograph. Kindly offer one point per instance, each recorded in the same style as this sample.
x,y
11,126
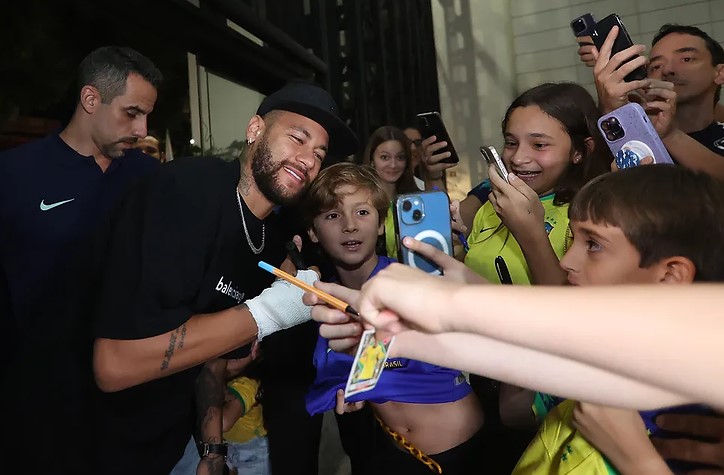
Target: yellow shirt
x,y
559,449
251,423
390,238
490,239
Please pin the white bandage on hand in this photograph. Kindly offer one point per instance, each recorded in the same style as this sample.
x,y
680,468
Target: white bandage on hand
x,y
280,306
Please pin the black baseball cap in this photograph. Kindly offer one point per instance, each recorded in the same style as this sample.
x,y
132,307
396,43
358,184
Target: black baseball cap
x,y
313,102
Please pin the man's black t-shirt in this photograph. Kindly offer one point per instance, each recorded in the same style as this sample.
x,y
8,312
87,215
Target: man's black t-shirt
x,y
712,137
177,248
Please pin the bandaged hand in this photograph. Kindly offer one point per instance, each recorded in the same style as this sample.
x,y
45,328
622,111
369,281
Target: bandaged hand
x,y
280,306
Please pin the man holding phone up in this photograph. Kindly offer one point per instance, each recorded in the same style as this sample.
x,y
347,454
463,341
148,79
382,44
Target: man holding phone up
x,y
686,71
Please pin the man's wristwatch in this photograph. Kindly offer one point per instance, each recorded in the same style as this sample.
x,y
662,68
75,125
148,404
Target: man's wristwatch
x,y
207,449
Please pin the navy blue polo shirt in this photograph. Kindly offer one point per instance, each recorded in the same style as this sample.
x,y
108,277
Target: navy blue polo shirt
x,y
51,199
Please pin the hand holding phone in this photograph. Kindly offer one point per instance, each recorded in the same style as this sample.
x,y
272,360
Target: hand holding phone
x,y
430,123
584,25
631,136
622,42
493,159
424,216
583,28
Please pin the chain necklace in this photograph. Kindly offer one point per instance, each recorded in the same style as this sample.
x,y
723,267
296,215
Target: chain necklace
x,y
254,249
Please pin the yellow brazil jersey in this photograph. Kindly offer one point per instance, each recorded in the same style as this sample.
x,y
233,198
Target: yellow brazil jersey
x,y
390,239
251,424
490,239
559,449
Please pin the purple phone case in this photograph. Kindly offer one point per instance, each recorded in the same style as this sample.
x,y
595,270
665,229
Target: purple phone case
x,y
639,140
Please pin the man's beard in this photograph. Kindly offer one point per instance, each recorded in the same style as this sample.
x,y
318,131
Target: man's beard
x,y
112,150
265,172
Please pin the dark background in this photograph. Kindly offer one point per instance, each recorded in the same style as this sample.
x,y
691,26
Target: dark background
x,y
376,57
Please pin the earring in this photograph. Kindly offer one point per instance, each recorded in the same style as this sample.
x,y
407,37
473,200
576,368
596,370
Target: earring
x,y
249,141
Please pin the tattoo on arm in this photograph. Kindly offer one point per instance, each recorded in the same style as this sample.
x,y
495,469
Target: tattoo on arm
x,y
176,341
210,392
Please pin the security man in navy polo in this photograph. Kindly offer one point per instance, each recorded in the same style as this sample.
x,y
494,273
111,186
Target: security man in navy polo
x,y
55,193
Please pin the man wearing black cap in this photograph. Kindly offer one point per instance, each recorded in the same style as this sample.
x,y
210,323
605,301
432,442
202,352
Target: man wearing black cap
x,y
182,285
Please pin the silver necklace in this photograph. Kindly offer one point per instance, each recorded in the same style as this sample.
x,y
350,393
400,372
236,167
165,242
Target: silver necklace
x,y
254,249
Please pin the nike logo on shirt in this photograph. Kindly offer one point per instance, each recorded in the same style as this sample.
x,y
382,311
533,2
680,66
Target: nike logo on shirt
x,y
44,207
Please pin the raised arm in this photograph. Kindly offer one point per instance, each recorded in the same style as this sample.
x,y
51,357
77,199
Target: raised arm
x,y
521,211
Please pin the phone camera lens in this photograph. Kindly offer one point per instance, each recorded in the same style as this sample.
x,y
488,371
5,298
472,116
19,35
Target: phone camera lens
x,y
406,205
605,126
417,215
615,131
579,25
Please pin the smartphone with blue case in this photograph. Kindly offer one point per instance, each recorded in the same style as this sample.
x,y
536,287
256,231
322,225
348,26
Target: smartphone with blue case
x,y
424,216
631,136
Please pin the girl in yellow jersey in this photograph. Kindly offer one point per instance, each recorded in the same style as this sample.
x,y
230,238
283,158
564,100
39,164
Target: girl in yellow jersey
x,y
552,148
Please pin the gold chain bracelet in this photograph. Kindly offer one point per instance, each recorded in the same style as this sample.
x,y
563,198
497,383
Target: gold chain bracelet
x,y
408,447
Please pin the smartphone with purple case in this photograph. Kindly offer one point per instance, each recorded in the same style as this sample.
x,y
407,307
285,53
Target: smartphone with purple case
x,y
631,136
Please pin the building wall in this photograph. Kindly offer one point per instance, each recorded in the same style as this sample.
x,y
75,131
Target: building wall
x,y
476,77
543,41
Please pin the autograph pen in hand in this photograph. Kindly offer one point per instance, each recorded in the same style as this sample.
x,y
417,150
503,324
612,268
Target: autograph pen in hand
x,y
331,300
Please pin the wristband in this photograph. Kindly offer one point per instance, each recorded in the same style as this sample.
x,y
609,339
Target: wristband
x,y
208,449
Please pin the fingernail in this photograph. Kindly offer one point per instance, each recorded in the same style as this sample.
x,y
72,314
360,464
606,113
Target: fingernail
x,y
512,177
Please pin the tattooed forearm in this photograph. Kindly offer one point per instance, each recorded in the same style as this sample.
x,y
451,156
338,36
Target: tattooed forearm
x,y
210,391
174,342
212,465
183,336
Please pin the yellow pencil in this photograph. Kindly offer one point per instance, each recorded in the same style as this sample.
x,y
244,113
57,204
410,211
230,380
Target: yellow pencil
x,y
331,300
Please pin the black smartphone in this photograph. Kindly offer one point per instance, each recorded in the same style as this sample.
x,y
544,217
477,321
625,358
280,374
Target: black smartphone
x,y
430,123
583,25
623,41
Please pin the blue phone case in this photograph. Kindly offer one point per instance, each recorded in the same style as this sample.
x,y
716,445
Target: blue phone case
x,y
631,136
424,216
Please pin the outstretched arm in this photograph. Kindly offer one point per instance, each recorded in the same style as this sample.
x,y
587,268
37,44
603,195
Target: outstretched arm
x,y
122,363
627,330
531,369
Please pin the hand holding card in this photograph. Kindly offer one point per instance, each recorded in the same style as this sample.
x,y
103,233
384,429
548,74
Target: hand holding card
x,y
368,363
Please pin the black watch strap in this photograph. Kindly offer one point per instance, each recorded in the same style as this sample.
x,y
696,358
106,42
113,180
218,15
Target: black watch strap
x,y
207,449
